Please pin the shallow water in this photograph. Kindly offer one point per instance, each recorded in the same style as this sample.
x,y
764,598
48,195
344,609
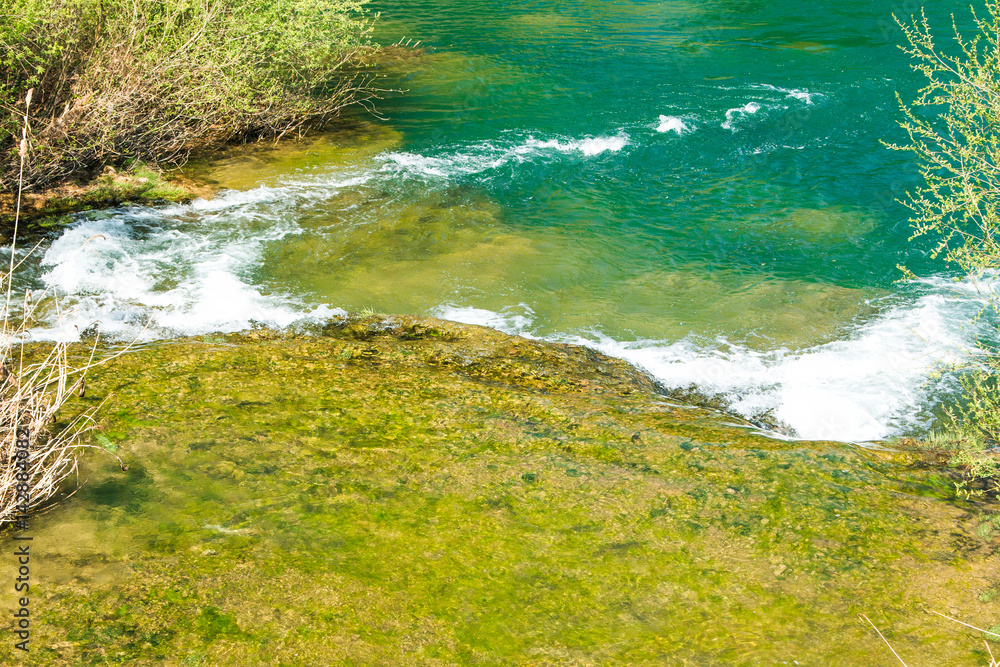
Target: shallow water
x,y
419,493
697,187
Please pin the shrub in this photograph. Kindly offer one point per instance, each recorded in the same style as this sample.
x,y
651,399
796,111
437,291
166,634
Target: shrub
x,y
954,130
152,80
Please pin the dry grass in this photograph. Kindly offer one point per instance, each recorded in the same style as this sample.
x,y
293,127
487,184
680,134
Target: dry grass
x,y
36,457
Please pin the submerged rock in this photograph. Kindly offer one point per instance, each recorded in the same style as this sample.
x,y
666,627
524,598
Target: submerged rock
x,y
412,491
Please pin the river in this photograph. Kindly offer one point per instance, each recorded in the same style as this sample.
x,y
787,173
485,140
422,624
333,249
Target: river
x,y
697,187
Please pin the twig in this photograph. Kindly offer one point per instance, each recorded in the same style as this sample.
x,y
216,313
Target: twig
x,y
23,153
883,639
965,624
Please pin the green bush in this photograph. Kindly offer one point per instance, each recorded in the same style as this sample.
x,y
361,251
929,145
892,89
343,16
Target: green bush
x,y
954,130
152,80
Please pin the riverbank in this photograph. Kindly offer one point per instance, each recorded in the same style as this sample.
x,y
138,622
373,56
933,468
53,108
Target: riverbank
x,y
199,178
85,87
413,491
140,185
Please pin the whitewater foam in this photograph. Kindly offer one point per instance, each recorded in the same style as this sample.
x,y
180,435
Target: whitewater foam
x,y
248,203
598,145
672,124
796,93
483,156
134,280
589,146
514,320
877,383
735,113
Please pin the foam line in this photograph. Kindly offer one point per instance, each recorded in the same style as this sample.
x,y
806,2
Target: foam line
x,y
877,383
483,156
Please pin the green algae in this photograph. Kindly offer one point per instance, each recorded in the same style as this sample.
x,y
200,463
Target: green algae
x,y
138,184
242,167
411,491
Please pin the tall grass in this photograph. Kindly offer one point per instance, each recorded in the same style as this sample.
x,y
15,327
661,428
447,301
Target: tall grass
x,y
152,80
35,455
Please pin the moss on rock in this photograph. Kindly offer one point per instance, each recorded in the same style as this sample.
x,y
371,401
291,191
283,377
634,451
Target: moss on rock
x,y
139,185
412,491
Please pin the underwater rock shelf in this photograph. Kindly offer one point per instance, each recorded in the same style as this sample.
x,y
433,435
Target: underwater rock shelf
x,y
406,491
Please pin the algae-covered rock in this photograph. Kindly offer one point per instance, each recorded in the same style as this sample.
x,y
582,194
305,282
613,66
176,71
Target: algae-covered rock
x,y
137,185
404,491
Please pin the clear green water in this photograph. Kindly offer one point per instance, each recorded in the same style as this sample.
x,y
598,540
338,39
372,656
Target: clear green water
x,y
799,190
699,188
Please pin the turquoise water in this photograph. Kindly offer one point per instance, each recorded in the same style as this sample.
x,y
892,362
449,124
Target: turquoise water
x,y
699,188
719,196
